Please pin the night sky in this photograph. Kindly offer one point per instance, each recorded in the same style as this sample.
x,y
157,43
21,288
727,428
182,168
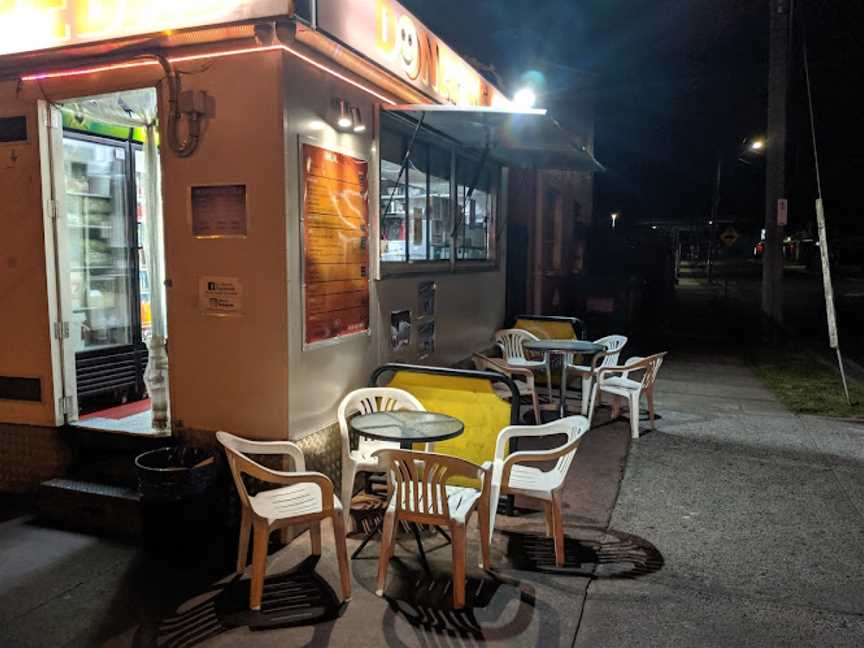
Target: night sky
x,y
675,82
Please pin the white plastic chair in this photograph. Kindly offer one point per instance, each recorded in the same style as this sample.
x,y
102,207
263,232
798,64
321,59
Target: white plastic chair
x,y
511,477
419,494
367,401
303,498
621,386
613,344
511,342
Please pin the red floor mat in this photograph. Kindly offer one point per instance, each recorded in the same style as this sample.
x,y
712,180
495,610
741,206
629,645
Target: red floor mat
x,y
119,412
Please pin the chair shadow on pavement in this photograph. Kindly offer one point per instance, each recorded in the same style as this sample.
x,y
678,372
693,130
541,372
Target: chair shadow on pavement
x,y
618,556
297,597
425,602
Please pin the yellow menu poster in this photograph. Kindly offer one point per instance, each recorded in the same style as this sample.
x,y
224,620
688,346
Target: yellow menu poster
x,y
335,244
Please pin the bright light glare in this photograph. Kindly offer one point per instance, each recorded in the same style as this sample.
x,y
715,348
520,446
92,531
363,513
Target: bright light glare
x,y
344,122
525,98
757,145
317,125
615,218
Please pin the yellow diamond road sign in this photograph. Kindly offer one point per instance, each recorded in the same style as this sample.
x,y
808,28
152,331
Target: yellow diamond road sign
x,y
729,236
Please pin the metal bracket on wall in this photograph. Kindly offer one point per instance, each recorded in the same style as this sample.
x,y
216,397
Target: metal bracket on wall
x,y
61,330
66,404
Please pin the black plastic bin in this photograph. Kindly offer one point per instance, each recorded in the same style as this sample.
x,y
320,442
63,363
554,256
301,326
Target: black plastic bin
x,y
178,501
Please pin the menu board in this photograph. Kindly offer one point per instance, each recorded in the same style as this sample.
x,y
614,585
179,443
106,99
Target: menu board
x,y
335,244
218,211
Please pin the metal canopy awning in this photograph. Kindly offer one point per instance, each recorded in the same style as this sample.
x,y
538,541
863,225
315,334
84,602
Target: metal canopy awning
x,y
516,138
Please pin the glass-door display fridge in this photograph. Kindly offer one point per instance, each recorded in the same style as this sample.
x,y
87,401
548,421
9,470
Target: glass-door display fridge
x,y
102,206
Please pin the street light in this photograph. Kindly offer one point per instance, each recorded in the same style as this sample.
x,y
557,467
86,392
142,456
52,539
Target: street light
x,y
615,217
757,144
525,98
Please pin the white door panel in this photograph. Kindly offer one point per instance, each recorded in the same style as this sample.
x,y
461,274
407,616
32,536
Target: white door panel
x,y
57,260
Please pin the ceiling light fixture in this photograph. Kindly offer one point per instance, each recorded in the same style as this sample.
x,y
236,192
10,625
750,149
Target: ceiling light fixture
x,y
343,119
357,116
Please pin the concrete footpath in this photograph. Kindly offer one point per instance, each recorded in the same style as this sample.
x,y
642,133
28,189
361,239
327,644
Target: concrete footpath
x,y
735,523
757,516
64,588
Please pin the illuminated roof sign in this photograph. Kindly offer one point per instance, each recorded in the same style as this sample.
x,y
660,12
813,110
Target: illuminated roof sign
x,y
389,35
31,25
380,30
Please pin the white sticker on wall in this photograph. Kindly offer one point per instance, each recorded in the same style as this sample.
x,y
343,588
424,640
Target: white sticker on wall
x,y
220,296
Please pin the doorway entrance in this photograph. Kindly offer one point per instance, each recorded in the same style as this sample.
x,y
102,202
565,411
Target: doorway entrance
x,y
106,213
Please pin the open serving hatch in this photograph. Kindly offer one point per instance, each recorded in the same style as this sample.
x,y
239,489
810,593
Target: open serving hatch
x,y
516,138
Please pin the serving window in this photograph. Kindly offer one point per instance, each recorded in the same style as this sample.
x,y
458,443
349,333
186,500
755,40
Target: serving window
x,y
393,191
476,214
417,206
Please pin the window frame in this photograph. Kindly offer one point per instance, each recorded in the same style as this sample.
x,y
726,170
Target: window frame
x,y
432,140
494,172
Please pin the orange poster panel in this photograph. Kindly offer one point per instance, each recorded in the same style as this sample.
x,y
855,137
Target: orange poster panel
x,y
326,197
333,324
339,246
335,221
338,302
323,163
334,287
326,272
335,244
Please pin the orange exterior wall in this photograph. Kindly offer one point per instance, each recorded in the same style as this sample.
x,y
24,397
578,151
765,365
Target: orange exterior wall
x,y
225,373
231,372
25,348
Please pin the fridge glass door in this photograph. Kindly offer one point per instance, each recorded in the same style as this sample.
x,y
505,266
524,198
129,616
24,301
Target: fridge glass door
x,y
145,254
99,243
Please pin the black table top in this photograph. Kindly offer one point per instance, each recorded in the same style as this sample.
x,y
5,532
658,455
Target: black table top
x,y
566,346
404,426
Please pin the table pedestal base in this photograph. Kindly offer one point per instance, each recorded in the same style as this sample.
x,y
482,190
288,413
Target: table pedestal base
x,y
415,530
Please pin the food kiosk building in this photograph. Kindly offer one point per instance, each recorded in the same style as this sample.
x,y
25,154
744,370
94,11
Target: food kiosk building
x,y
290,195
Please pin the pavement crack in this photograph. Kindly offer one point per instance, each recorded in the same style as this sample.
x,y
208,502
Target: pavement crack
x,y
50,599
832,468
67,590
607,526
849,497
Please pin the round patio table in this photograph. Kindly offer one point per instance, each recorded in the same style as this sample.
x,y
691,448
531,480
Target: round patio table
x,y
563,347
406,427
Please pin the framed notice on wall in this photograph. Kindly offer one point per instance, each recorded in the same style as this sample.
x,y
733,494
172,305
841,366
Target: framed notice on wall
x,y
335,222
218,211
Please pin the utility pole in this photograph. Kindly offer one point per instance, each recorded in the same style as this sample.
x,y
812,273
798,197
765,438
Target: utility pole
x,y
715,213
775,184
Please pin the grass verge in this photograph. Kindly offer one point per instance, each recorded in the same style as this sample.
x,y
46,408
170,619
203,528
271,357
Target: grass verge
x,y
808,384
